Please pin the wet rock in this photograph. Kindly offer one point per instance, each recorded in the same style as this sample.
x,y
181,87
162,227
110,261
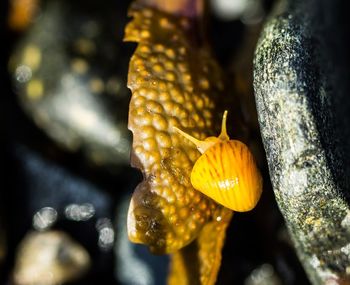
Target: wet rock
x,y
70,78
301,66
263,275
47,195
49,258
54,190
249,12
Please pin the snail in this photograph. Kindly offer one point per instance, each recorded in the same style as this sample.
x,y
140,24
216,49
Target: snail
x,y
226,171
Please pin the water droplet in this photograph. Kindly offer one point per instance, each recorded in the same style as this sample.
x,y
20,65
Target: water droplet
x,y
44,218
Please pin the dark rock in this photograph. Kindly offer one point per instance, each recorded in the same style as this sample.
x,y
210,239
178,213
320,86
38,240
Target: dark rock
x,y
300,70
39,184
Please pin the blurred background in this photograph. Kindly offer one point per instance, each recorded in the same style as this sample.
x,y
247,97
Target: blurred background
x,y
66,180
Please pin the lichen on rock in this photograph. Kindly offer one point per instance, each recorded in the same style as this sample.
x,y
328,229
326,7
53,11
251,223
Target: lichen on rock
x,y
296,102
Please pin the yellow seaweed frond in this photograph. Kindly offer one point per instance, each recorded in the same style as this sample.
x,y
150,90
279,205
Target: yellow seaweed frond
x,y
199,262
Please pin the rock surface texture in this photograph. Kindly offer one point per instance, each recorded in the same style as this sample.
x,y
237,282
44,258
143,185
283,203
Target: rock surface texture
x,y
300,72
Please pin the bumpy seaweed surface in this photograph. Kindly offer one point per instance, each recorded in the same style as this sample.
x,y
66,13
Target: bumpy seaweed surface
x,y
174,82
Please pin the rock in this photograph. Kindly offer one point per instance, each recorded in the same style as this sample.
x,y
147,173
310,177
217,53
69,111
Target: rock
x,y
70,78
300,70
249,12
263,275
56,190
45,194
49,258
